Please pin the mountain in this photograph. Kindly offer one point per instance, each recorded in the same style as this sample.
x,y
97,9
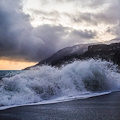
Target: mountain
x,y
75,50
66,52
106,52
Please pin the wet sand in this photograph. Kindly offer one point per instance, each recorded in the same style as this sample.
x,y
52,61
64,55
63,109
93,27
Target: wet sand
x,y
106,107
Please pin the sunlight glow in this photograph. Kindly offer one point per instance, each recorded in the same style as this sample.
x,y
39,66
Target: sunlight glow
x,y
14,65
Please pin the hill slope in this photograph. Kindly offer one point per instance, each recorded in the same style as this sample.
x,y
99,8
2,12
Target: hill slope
x,y
106,52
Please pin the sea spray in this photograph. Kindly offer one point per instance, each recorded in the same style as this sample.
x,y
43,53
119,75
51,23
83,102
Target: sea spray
x,y
44,83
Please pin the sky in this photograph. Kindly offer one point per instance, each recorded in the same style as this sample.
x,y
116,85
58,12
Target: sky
x,y
32,30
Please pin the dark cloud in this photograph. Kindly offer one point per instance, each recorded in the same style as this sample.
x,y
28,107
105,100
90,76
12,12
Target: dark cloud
x,y
88,18
51,16
51,35
109,15
16,34
20,41
112,14
94,19
58,37
89,34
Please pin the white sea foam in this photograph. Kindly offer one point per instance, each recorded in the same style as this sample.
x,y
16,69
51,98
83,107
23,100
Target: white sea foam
x,y
60,99
46,84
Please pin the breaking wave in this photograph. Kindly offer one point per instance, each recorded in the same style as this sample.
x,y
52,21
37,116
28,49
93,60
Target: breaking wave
x,y
45,83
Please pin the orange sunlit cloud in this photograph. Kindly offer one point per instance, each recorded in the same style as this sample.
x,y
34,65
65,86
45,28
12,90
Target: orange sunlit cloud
x,y
14,65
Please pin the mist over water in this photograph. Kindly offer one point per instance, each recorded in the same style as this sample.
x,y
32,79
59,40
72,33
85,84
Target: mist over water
x,y
46,83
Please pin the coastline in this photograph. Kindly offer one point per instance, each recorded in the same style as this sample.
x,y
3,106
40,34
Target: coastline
x,y
104,107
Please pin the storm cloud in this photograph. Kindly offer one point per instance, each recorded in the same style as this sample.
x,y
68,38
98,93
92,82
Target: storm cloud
x,y
19,40
16,38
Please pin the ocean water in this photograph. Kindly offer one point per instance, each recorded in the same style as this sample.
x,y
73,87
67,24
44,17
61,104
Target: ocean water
x,y
8,73
46,84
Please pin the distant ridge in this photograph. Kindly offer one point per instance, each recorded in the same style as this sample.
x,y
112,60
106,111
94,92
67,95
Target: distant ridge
x,y
85,51
65,52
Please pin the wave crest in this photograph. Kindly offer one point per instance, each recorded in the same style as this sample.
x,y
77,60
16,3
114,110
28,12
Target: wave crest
x,y
46,82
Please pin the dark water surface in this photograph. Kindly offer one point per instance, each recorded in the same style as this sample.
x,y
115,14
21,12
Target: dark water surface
x,y
8,73
106,107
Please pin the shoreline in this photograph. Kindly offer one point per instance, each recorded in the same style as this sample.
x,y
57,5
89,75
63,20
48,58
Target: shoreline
x,y
54,101
104,107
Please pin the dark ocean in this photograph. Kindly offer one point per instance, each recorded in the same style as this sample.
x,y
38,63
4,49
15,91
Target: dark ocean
x,y
8,73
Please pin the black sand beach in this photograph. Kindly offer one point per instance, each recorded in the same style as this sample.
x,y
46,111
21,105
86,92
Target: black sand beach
x,y
106,107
